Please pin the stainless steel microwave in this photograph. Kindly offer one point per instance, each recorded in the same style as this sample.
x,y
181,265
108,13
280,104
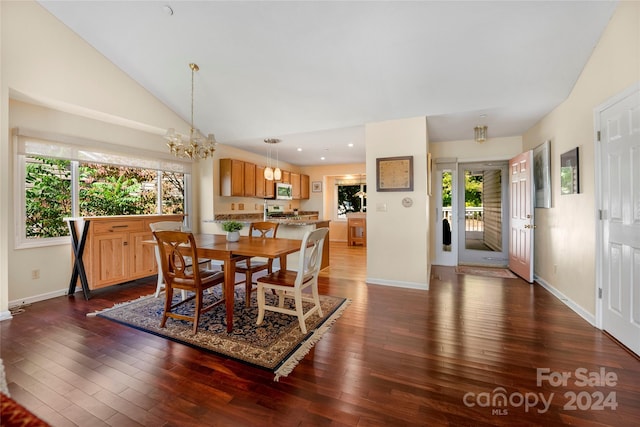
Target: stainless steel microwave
x,y
283,191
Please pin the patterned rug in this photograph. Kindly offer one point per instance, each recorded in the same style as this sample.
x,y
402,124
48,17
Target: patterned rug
x,y
277,345
502,273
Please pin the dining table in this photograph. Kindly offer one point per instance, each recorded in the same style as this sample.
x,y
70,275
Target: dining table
x,y
216,247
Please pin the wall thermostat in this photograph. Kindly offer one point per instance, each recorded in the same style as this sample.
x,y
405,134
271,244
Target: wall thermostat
x,y
407,202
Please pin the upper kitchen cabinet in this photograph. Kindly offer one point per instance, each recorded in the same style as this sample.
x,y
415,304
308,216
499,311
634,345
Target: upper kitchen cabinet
x,y
260,182
304,187
232,177
249,179
245,179
295,185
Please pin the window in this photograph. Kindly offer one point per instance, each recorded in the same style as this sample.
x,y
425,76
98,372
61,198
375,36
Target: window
x,y
351,198
58,180
47,195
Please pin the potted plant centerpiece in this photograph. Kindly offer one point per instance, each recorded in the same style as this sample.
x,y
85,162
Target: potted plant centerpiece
x,y
233,230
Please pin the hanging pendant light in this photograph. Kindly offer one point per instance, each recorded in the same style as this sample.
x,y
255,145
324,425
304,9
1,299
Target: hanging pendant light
x,y
480,134
269,173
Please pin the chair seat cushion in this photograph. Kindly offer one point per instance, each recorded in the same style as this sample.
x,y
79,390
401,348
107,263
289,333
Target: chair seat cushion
x,y
280,277
256,264
208,278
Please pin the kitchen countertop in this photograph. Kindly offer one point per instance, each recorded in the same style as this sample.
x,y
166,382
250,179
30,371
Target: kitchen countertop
x,y
246,218
281,221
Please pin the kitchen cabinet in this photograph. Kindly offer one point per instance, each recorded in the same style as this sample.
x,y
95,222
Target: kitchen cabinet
x,y
304,187
269,189
114,249
231,177
249,179
260,182
295,185
245,179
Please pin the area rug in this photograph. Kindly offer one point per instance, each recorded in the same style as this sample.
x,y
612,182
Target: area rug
x,y
501,273
277,345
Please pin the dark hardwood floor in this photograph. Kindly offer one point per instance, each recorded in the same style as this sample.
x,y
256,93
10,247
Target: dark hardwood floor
x,y
396,357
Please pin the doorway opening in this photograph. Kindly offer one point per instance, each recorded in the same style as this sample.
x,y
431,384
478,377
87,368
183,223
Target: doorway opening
x,y
482,220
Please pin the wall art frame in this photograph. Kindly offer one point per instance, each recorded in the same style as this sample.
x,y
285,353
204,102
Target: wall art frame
x,y
542,175
394,173
570,172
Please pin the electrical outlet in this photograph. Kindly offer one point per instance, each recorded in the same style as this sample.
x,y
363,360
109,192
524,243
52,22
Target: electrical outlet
x,y
240,206
35,274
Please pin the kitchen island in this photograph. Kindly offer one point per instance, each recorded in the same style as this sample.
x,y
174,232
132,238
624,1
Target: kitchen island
x,y
289,228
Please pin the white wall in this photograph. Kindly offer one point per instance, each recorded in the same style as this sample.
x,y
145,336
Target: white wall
x,y
85,95
565,238
398,238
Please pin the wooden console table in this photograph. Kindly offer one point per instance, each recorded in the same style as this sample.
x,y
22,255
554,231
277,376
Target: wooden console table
x,y
108,250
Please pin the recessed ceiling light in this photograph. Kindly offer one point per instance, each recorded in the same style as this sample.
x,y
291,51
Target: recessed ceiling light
x,y
321,158
299,149
350,144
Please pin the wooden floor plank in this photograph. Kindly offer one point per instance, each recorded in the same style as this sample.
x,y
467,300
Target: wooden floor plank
x,y
396,357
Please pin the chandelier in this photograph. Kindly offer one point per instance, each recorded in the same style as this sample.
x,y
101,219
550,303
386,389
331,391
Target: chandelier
x,y
195,146
269,173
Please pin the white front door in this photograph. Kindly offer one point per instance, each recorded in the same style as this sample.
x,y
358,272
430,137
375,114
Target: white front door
x,y
619,163
521,220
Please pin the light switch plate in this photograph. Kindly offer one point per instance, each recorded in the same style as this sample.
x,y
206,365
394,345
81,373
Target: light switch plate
x,y
381,207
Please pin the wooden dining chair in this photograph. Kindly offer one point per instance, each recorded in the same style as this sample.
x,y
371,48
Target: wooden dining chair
x,y
169,226
249,266
176,247
290,284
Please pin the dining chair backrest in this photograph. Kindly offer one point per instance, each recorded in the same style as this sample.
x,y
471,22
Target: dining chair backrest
x,y
263,229
177,248
310,258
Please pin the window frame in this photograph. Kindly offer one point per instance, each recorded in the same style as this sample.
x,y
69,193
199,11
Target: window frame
x,y
336,201
20,239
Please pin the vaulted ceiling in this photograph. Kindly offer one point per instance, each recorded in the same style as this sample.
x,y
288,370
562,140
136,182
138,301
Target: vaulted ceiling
x,y
312,73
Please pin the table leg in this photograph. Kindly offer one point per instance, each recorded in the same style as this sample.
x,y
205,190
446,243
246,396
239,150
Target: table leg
x,y
77,245
229,285
283,262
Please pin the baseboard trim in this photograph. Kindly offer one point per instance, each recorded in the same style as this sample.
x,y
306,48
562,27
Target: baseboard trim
x,y
397,283
567,301
37,298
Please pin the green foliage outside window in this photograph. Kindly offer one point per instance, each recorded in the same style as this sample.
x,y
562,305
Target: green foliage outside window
x,y
116,190
103,190
473,190
48,197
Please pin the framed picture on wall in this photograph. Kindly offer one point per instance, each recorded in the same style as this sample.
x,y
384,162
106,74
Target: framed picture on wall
x,y
542,174
570,172
394,173
316,187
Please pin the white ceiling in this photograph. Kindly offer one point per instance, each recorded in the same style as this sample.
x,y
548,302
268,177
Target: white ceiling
x,y
312,73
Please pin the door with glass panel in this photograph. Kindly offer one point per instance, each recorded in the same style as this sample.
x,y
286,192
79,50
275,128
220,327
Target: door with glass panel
x,y
483,214
446,229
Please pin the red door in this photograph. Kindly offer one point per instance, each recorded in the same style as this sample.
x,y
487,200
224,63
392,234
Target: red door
x,y
521,220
